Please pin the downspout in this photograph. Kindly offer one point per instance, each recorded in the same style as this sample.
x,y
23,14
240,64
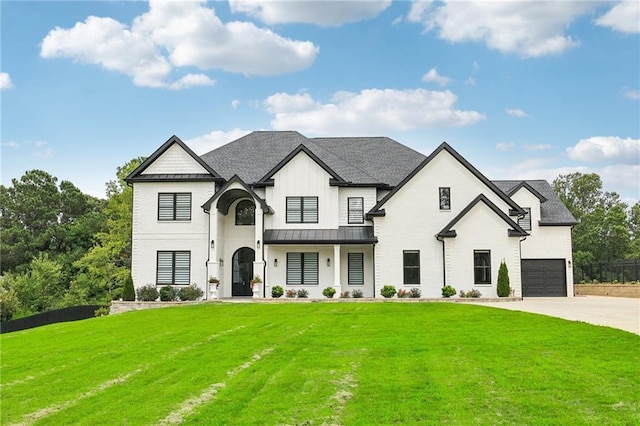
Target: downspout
x,y
520,255
444,264
374,268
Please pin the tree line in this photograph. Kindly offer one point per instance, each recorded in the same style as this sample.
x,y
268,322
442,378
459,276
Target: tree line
x,y
61,247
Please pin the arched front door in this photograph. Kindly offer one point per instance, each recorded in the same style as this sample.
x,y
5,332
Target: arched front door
x,y
242,272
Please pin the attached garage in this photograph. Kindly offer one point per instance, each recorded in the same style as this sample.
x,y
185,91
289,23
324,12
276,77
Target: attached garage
x,y
544,278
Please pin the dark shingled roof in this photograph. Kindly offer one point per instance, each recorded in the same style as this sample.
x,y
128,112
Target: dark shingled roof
x,y
552,210
358,160
342,235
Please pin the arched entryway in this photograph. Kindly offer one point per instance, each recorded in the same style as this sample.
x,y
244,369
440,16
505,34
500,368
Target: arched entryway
x,y
242,271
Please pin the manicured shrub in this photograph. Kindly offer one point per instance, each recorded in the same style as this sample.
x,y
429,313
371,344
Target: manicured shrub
x,y
345,295
277,291
302,293
448,291
503,281
192,292
291,293
415,293
147,293
388,291
168,294
403,294
128,292
471,293
329,292
356,294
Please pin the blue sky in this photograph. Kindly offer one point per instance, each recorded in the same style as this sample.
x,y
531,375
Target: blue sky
x,y
521,89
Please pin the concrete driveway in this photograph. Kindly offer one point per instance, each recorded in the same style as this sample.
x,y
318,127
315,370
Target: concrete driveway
x,y
616,312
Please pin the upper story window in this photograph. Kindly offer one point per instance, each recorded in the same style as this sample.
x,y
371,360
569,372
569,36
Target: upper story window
x,y
482,266
411,266
174,206
302,209
355,207
245,213
525,222
444,197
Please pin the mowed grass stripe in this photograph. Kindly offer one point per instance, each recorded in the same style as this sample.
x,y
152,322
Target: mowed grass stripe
x,y
404,363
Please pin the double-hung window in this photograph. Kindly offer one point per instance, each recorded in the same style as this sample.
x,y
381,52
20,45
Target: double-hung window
x,y
525,221
174,206
411,266
355,207
302,268
355,268
482,266
173,268
302,209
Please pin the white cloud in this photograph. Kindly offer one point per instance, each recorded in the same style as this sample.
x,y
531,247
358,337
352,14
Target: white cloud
x,y
529,29
632,94
5,81
538,147
610,149
11,144
212,140
235,103
505,146
372,111
172,35
470,81
515,112
623,17
335,13
433,76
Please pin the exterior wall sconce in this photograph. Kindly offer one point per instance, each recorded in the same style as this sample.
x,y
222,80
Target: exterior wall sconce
x,y
258,244
569,263
213,244
328,261
275,262
221,261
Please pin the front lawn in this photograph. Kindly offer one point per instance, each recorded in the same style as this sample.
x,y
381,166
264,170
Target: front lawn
x,y
321,363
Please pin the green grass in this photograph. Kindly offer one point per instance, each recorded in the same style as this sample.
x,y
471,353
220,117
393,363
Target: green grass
x,y
321,363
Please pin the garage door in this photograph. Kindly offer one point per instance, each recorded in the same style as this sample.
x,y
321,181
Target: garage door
x,y
544,278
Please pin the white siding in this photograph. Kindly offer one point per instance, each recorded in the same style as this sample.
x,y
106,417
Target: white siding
x,y
151,235
302,177
174,160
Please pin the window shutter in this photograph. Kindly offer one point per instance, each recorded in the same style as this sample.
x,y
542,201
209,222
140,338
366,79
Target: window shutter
x,y
183,206
356,268
182,267
294,209
165,206
294,268
310,208
310,270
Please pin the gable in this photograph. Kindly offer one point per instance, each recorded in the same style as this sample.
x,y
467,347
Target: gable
x,y
173,161
299,158
446,168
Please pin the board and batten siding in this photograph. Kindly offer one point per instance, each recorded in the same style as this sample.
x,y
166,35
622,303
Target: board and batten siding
x,y
151,235
302,176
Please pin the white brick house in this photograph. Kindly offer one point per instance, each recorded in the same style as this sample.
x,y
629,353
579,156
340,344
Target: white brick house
x,y
351,213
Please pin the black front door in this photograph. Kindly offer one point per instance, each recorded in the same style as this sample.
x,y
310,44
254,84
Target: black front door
x,y
242,272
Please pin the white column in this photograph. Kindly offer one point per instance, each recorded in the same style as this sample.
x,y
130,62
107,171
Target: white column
x,y
336,270
213,267
258,264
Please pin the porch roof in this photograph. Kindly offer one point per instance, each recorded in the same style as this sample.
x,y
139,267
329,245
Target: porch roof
x,y
342,235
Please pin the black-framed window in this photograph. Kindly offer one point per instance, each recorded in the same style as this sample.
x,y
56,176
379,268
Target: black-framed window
x,y
302,268
444,198
525,222
355,209
174,206
173,268
355,267
482,266
302,209
245,213
411,266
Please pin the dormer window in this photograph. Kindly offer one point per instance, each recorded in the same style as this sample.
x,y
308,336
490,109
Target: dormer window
x,y
444,198
245,213
525,221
